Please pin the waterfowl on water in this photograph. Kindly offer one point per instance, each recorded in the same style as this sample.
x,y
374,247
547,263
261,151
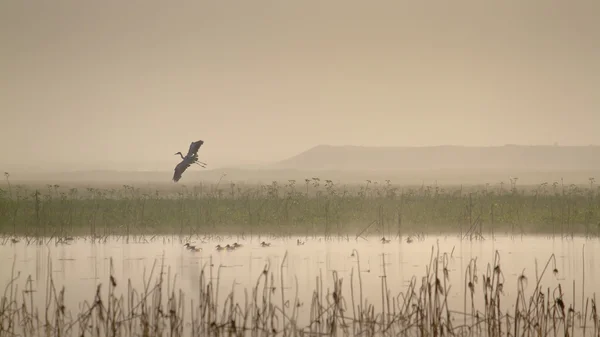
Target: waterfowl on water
x,y
228,247
299,243
220,248
409,239
383,240
192,248
236,245
264,244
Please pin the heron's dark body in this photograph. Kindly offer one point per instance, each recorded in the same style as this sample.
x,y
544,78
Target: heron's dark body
x,y
189,159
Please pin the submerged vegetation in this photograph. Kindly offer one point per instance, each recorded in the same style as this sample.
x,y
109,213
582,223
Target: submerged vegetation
x,y
337,306
310,207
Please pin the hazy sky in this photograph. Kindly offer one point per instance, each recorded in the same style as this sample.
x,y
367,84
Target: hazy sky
x,y
109,82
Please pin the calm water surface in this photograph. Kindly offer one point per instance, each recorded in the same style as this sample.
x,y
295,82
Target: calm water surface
x,y
82,265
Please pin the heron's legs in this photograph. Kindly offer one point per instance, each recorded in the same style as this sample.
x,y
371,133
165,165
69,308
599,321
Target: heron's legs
x,y
201,164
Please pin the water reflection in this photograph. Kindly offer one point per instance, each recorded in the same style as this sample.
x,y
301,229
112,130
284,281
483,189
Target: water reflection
x,y
82,265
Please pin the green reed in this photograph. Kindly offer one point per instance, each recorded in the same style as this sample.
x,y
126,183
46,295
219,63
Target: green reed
x,y
312,208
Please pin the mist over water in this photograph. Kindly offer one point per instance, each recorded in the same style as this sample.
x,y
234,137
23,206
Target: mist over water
x,y
81,266
337,120
125,86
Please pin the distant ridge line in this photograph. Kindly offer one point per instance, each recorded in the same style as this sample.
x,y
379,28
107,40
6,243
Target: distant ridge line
x,y
508,156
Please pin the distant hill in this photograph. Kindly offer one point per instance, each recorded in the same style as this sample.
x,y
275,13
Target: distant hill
x,y
355,164
508,157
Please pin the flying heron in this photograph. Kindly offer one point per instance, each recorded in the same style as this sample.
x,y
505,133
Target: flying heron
x,y
188,160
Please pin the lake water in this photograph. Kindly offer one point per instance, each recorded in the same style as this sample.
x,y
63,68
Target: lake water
x,y
82,265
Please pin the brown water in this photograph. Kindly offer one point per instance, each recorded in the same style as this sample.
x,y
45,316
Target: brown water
x,y
82,265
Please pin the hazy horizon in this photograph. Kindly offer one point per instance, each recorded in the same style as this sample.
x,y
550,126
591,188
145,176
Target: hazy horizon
x,y
357,158
123,84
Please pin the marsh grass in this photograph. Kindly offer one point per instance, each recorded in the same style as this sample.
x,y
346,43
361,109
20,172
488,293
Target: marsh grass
x,y
159,308
313,208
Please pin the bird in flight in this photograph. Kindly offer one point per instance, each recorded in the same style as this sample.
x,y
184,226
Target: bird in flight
x,y
188,160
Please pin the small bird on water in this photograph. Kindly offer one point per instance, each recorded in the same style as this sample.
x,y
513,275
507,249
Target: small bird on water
x,y
192,248
188,160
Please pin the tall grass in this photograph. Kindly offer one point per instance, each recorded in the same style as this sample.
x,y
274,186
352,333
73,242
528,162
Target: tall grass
x,y
313,207
423,308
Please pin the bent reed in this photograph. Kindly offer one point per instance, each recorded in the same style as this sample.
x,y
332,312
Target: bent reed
x,y
422,309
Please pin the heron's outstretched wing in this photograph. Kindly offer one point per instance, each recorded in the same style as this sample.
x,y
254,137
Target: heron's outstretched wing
x,y
194,147
179,169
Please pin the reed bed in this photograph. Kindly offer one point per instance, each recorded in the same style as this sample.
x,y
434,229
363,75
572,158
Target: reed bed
x,y
336,308
312,207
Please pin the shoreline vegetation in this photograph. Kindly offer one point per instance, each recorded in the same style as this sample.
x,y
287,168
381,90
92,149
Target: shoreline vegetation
x,y
336,308
310,207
